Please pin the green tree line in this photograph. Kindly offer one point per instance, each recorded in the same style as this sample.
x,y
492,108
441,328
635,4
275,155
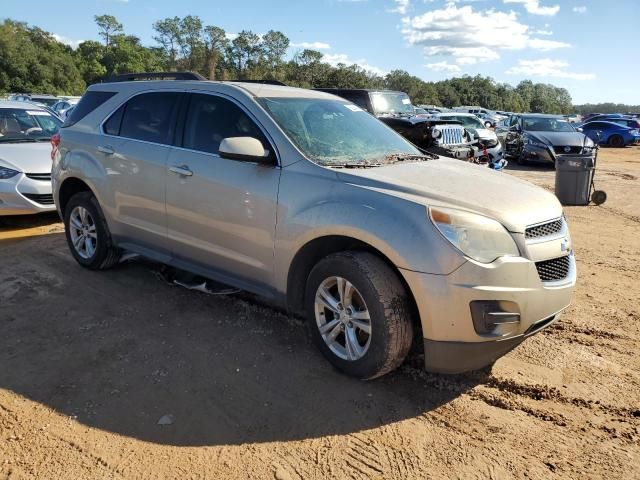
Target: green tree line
x,y
32,60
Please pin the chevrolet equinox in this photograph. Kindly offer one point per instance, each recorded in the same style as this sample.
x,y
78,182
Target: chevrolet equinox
x,y
305,198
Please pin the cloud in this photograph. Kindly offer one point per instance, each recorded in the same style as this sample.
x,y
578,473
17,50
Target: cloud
x,y
543,32
534,7
336,58
471,36
312,45
546,67
67,41
401,6
581,9
443,67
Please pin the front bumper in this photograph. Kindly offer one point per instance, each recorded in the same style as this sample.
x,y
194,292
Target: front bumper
x,y
452,344
14,193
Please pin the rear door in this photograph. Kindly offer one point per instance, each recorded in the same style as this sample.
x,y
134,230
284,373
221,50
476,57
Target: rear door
x,y
221,213
134,151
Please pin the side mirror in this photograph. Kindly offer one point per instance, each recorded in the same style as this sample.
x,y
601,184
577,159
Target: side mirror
x,y
247,149
580,129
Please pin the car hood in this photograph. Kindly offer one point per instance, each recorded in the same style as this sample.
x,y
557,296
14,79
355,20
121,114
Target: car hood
x,y
483,133
457,184
572,139
26,157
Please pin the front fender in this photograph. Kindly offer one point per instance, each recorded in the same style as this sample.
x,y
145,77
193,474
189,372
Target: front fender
x,y
310,207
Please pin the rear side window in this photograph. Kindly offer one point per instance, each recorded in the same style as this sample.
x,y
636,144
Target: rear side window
x,y
112,126
211,119
149,117
87,104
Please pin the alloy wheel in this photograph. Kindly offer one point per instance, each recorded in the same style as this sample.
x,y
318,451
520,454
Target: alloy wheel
x,y
82,229
342,318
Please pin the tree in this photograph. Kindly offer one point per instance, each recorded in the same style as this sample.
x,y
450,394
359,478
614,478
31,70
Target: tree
x,y
169,35
108,27
216,44
245,52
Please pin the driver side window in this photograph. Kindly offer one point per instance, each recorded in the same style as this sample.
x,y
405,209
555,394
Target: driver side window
x,y
211,119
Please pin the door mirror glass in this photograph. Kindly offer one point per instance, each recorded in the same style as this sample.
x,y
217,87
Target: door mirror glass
x,y
244,148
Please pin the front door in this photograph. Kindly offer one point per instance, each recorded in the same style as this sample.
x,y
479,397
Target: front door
x,y
221,213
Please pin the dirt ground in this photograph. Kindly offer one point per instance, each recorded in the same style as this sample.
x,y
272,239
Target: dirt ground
x,y
91,362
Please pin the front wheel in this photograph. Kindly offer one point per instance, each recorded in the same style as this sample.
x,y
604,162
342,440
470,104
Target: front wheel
x,y
87,233
616,141
359,313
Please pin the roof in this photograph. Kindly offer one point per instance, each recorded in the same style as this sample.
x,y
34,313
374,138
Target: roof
x,y
267,90
541,115
455,114
249,88
20,105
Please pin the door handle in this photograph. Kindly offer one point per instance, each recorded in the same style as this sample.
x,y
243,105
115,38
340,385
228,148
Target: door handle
x,y
181,170
106,149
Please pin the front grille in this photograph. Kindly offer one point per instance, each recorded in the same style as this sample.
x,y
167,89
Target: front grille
x,y
44,177
561,150
42,199
554,269
544,230
451,136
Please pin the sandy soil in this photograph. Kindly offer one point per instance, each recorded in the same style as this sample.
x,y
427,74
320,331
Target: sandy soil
x,y
90,362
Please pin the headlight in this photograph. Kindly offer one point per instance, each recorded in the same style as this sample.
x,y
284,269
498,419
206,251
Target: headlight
x,y
7,173
436,133
535,143
477,236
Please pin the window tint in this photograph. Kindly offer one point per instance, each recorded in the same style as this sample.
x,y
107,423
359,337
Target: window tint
x,y
112,126
87,104
148,117
211,119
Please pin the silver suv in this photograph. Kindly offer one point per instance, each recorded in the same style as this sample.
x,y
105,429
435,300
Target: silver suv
x,y
304,198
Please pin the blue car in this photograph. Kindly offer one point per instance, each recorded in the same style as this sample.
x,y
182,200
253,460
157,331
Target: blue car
x,y
612,134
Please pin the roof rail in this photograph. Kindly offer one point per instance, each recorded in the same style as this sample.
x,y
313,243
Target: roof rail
x,y
265,82
130,77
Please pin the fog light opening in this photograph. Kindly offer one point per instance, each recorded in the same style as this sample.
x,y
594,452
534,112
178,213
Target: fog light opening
x,y
495,317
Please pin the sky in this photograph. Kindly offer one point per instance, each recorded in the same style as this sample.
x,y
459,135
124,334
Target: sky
x,y
586,46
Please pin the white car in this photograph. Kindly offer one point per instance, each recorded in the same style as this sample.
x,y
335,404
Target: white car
x,y
483,135
25,158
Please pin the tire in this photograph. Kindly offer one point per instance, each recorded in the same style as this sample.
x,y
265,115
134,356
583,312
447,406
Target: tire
x,y
386,301
598,197
101,254
616,141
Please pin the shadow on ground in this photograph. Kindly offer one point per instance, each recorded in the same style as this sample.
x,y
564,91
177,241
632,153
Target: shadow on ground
x,y
118,350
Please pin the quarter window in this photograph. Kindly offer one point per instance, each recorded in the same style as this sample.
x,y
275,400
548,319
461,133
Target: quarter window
x,y
148,117
211,119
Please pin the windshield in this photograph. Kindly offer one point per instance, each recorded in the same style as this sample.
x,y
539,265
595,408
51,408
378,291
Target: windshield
x,y
48,101
470,122
18,125
546,124
391,103
334,132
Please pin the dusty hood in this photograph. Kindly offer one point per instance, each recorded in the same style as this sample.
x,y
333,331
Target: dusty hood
x,y
26,157
572,139
454,183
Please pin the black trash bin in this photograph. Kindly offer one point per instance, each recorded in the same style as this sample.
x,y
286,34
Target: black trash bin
x,y
573,179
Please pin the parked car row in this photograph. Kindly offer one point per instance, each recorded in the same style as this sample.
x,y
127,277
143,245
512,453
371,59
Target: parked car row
x,y
60,106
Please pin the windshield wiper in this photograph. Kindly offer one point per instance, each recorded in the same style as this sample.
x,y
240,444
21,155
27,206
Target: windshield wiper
x,y
353,165
18,140
409,157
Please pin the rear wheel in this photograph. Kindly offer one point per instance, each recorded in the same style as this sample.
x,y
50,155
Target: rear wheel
x,y
616,141
359,314
87,233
